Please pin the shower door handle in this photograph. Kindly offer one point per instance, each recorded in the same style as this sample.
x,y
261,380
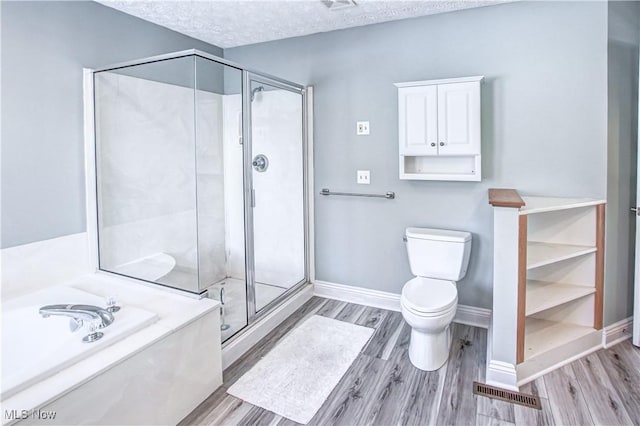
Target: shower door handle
x,y
260,163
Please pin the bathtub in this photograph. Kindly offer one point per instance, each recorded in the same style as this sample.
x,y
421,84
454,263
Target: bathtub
x,y
34,348
119,379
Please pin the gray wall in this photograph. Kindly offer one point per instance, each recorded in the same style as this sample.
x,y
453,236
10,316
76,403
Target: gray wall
x,y
624,36
544,122
45,45
544,126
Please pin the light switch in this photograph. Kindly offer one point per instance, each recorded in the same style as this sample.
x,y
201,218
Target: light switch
x,y
364,177
362,128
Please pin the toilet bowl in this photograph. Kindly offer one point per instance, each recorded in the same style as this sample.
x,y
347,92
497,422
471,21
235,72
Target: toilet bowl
x,y
429,321
438,258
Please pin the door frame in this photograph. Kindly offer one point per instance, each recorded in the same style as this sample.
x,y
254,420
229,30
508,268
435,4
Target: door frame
x,y
249,198
636,279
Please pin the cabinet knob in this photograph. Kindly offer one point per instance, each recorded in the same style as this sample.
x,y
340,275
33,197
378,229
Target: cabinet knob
x,y
441,143
433,144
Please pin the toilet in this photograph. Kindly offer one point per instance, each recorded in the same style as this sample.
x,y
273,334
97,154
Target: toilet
x,y
438,258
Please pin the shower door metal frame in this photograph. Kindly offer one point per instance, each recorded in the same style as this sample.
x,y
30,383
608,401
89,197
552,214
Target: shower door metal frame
x,y
249,195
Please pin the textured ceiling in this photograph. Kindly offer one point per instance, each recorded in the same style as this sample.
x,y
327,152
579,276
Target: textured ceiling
x,y
236,23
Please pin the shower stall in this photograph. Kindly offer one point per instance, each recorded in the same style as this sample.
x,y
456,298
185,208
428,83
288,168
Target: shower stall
x,y
201,180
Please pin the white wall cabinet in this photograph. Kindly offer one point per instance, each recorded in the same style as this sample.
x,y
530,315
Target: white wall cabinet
x,y
439,129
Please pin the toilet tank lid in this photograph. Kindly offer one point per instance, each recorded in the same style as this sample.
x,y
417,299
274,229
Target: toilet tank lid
x,y
438,235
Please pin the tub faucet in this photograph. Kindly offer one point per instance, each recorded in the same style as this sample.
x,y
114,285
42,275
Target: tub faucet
x,y
79,314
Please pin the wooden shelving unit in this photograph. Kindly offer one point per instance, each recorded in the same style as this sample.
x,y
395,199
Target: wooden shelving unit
x,y
556,275
558,230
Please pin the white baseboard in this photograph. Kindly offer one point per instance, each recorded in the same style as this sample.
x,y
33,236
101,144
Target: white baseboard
x,y
502,375
474,316
499,373
617,332
358,295
233,350
470,315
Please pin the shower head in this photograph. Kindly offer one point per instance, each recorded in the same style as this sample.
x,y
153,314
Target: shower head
x,y
254,91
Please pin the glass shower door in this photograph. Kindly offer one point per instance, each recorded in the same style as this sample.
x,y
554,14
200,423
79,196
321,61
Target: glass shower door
x,y
277,197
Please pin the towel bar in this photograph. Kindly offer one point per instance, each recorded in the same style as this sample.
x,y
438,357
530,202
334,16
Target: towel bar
x,y
389,195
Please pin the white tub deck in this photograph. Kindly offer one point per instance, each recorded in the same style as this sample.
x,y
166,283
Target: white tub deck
x,y
132,360
34,348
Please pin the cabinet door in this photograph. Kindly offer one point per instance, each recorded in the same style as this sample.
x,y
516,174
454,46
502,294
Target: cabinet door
x,y
459,118
418,120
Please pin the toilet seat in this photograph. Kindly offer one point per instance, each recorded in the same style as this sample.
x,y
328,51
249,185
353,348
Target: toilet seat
x,y
429,297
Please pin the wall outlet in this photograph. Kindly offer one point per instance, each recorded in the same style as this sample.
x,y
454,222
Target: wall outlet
x,y
364,177
362,128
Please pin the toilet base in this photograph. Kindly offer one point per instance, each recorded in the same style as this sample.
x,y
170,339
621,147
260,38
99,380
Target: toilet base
x,y
429,352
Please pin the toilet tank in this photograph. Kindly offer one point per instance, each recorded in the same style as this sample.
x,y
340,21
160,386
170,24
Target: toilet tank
x,y
438,253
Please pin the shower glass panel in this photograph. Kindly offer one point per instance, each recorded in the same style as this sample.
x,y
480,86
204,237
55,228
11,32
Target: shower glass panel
x,y
170,178
277,174
146,173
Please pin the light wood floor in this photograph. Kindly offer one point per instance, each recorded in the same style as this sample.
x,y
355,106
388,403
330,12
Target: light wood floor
x,y
382,387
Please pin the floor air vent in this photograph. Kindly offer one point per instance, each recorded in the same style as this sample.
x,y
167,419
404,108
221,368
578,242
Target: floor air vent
x,y
530,401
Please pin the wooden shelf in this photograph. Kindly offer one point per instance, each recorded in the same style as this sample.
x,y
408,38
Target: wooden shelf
x,y
499,197
543,295
549,260
540,254
543,335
